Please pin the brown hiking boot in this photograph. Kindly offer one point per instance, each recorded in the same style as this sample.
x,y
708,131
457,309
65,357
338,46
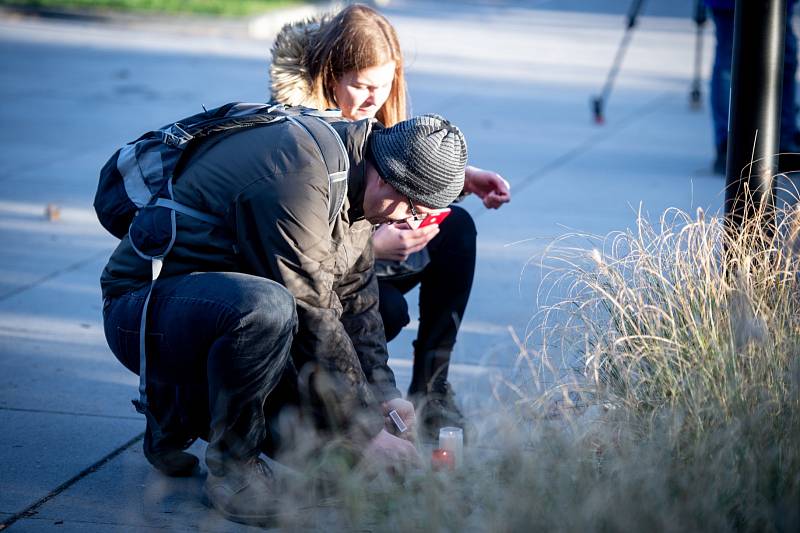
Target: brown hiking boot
x,y
245,493
437,409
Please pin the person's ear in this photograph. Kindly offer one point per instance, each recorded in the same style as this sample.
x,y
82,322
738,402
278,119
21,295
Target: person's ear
x,y
372,174
385,186
332,92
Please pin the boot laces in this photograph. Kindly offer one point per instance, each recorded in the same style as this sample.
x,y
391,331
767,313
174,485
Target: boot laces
x,y
259,467
443,398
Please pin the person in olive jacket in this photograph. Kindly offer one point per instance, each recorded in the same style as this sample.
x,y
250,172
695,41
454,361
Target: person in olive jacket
x,y
243,315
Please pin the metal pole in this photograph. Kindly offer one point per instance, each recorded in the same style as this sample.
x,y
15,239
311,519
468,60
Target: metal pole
x,y
754,123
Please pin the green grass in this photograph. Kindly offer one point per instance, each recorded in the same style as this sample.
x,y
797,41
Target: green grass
x,y
200,7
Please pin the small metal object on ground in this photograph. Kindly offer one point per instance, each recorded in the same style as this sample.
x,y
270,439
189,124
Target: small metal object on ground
x,y
52,212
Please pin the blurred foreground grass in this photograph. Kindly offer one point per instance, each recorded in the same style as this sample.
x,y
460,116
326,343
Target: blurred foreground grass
x,y
684,415
201,7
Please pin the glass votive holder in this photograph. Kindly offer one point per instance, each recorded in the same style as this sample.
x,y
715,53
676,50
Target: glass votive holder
x,y
452,440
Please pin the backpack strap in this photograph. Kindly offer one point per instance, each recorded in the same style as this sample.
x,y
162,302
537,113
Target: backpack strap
x,y
192,212
327,141
141,404
334,155
337,162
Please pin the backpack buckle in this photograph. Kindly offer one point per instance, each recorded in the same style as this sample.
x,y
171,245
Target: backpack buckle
x,y
176,136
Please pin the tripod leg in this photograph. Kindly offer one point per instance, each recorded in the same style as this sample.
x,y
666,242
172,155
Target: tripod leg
x,y
696,94
598,102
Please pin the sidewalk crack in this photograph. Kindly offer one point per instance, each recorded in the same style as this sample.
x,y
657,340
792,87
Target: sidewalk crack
x,y
54,412
52,275
34,508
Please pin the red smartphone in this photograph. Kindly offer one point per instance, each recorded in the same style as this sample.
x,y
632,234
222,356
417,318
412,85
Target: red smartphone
x,y
435,217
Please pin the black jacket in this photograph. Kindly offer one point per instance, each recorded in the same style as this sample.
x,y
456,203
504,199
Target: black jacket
x,y
271,188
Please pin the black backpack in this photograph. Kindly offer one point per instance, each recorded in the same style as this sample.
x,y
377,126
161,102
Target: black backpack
x,y
139,173
134,195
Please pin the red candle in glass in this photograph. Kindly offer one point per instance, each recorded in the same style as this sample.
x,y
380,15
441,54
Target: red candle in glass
x,y
443,459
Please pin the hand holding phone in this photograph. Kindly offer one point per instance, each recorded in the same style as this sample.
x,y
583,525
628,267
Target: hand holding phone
x,y
395,242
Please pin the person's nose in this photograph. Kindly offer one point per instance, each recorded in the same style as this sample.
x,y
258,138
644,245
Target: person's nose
x,y
370,98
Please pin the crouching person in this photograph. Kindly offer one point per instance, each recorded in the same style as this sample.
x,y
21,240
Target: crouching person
x,y
278,289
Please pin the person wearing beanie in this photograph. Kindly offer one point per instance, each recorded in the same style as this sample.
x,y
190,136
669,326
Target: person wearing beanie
x,y
409,157
352,61
414,168
272,307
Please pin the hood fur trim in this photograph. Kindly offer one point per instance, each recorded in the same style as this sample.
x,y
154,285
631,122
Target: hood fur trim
x,y
290,82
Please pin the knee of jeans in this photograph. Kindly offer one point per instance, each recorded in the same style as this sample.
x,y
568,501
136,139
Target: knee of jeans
x,y
272,307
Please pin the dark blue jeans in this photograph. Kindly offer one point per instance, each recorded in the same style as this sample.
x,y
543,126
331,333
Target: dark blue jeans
x,y
217,348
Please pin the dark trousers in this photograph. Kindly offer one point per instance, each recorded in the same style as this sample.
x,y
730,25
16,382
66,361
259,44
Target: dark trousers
x,y
444,287
217,348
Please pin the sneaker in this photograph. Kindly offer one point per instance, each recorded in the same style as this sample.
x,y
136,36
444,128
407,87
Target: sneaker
x,y
245,493
169,460
436,410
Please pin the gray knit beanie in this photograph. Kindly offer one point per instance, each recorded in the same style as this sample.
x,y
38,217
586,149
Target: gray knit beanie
x,y
423,158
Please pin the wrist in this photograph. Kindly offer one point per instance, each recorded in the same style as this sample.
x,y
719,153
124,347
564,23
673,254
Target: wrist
x,y
469,175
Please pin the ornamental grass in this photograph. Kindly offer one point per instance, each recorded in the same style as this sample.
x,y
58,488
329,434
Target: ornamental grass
x,y
676,403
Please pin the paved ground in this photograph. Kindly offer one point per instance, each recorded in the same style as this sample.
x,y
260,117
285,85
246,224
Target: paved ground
x,y
516,76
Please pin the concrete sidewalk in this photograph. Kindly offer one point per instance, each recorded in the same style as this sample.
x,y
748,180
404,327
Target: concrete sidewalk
x,y
516,79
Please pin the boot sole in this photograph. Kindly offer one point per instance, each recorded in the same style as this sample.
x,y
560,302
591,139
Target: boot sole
x,y
187,469
251,520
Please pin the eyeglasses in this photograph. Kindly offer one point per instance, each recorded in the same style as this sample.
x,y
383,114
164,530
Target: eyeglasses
x,y
416,218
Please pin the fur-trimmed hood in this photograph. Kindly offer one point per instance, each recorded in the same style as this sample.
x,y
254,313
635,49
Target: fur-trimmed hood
x,y
290,82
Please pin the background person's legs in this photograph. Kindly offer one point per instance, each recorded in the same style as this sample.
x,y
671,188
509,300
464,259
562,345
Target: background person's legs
x,y
231,332
788,141
720,89
445,285
392,304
